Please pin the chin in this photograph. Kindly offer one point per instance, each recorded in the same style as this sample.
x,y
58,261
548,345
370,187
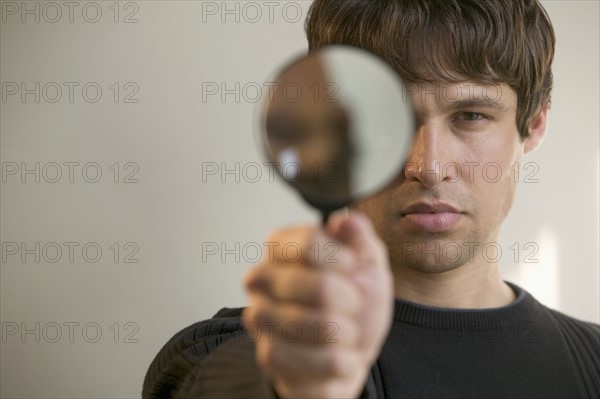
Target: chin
x,y
428,267
435,259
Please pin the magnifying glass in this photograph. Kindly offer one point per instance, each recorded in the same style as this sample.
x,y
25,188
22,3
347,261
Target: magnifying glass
x,y
337,126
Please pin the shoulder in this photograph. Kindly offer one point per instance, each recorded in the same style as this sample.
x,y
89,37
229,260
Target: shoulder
x,y
570,328
584,331
186,349
582,341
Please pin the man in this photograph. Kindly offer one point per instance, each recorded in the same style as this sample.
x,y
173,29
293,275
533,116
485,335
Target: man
x,y
479,77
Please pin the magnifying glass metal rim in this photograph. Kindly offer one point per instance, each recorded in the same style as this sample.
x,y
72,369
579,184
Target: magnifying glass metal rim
x,y
260,135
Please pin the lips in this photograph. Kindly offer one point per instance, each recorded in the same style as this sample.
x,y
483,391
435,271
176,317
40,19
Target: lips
x,y
433,217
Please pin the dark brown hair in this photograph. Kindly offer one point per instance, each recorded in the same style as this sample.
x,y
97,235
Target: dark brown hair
x,y
448,41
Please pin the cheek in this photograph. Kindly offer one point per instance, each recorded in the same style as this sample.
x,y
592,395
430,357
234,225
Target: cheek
x,y
370,206
376,208
498,193
498,178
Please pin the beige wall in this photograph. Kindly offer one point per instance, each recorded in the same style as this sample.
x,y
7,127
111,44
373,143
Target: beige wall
x,y
164,212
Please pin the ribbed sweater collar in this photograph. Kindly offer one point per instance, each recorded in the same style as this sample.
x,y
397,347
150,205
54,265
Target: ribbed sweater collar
x,y
523,309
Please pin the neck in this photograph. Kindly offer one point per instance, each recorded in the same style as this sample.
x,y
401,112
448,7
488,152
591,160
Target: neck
x,y
473,285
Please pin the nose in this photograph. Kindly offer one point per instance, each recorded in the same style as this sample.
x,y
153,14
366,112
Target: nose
x,y
431,159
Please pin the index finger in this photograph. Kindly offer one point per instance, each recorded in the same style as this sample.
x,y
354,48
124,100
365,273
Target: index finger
x,y
308,246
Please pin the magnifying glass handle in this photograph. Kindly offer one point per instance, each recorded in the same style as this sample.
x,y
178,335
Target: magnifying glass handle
x,y
325,216
327,210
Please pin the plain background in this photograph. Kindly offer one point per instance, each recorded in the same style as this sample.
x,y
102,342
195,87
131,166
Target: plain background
x,y
175,215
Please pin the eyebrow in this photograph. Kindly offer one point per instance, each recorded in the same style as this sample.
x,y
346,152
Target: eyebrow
x,y
477,102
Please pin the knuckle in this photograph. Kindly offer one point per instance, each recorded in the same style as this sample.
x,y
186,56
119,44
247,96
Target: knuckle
x,y
265,355
335,364
330,390
251,276
324,287
292,233
292,244
248,315
329,318
274,237
263,313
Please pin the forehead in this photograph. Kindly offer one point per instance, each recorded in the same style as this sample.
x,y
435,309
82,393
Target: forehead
x,y
463,94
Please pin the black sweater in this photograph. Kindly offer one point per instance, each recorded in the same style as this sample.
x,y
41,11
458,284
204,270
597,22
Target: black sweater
x,y
523,350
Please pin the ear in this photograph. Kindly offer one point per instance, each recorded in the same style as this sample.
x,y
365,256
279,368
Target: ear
x,y
537,129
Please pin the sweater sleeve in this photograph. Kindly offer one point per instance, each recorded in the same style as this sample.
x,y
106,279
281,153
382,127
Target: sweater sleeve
x,y
229,372
174,363
213,359
583,342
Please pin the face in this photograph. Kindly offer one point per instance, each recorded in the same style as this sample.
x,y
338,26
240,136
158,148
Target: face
x,y
459,178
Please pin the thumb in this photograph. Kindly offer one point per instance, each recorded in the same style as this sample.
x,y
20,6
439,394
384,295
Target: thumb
x,y
354,229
